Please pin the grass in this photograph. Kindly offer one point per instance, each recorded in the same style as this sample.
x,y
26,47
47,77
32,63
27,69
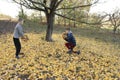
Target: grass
x,y
99,58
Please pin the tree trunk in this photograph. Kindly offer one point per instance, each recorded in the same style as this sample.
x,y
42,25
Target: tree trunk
x,y
50,22
22,12
58,20
41,20
74,18
114,30
74,24
64,22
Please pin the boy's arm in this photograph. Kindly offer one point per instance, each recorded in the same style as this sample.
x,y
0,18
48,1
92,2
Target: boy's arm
x,y
25,37
20,30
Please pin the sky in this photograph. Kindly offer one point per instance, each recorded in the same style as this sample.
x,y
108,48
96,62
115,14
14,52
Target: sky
x,y
9,8
107,6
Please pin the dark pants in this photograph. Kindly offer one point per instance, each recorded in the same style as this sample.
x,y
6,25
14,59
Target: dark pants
x,y
69,45
17,45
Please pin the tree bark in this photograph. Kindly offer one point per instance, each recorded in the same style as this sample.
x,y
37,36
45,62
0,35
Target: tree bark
x,y
50,22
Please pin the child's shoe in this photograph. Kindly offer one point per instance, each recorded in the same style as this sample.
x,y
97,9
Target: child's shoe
x,y
69,52
17,57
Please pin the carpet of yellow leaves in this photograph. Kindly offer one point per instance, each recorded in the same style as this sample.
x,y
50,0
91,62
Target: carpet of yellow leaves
x,y
49,61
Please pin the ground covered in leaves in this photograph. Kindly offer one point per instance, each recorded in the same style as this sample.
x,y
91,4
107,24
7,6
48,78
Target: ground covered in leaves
x,y
99,60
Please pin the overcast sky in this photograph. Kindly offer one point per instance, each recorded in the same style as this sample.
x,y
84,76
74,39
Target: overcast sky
x,y
106,6
12,9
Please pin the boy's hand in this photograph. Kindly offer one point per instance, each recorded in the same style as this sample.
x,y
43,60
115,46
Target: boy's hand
x,y
25,38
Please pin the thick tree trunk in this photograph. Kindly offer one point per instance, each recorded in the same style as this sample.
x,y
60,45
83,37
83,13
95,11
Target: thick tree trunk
x,y
50,22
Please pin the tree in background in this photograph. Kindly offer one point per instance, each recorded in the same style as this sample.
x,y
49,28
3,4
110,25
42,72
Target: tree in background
x,y
97,20
115,20
50,8
77,15
22,13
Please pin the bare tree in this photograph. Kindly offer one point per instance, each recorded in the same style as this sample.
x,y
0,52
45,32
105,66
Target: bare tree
x,y
50,8
115,20
99,19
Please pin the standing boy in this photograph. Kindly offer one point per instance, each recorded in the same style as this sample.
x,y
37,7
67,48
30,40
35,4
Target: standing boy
x,y
18,32
71,42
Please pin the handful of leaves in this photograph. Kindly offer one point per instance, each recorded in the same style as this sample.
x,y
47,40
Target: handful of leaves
x,y
64,35
25,38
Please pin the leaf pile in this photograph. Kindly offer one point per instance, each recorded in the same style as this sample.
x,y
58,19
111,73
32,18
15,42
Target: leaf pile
x,y
49,61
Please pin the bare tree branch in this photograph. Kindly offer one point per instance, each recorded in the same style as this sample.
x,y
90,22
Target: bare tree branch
x,y
76,20
78,6
58,3
28,5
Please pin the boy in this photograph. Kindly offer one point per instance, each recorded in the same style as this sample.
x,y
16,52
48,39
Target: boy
x,y
18,32
71,42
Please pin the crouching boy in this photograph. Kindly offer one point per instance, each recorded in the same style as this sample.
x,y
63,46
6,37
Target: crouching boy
x,y
71,42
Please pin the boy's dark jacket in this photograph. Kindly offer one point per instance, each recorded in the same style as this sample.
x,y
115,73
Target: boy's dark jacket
x,y
70,38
